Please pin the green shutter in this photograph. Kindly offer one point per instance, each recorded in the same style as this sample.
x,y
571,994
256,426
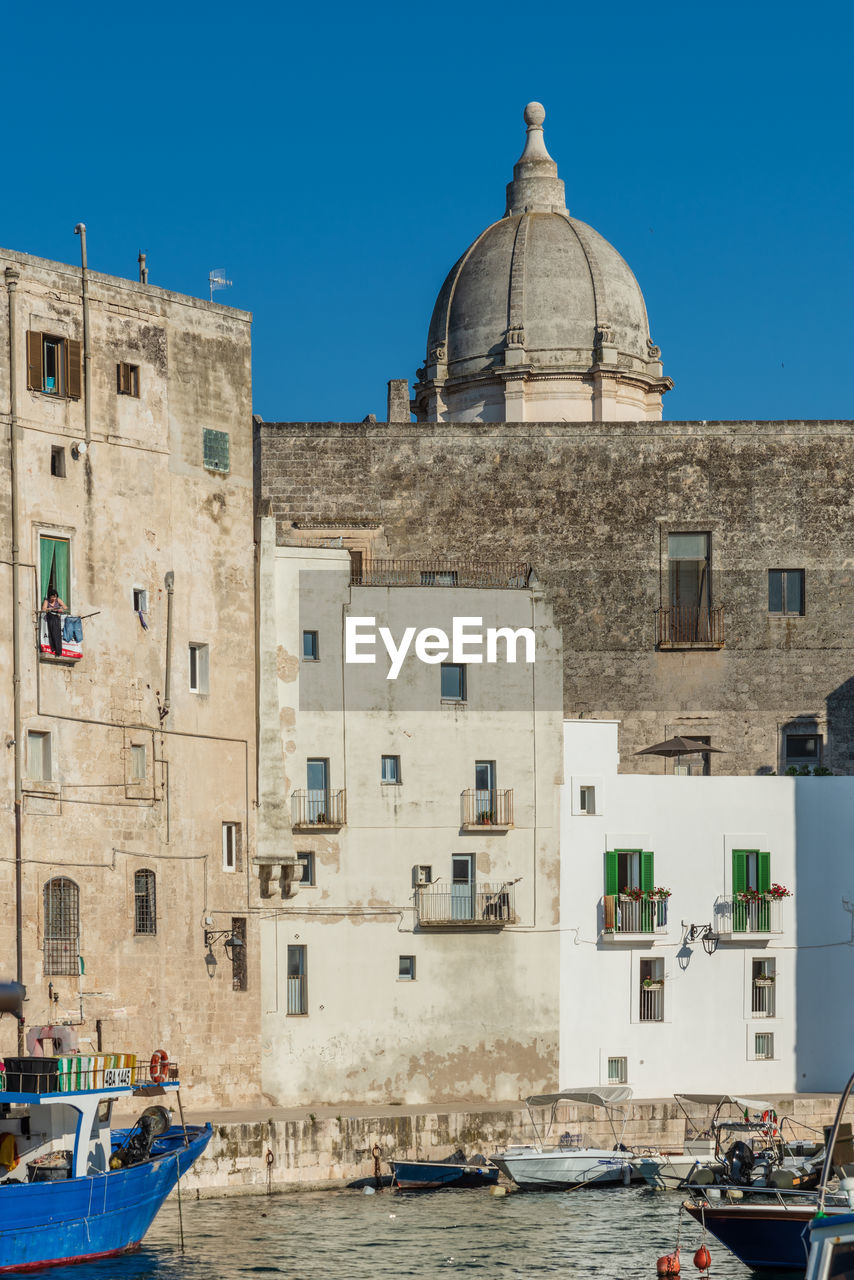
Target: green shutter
x,y
611,885
763,871
647,872
739,871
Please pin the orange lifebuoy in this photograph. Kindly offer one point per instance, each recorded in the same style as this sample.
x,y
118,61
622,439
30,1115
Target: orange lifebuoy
x,y
159,1066
769,1119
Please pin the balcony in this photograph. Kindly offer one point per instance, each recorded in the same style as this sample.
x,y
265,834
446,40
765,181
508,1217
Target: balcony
x,y
487,811
318,810
762,1001
651,1008
496,575
465,906
633,919
689,627
750,921
71,639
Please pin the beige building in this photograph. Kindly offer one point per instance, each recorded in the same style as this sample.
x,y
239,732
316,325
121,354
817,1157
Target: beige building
x,y
410,944
127,786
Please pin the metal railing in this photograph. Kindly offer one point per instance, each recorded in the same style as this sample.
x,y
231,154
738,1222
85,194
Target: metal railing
x,y
652,1003
765,915
634,915
497,575
487,809
297,993
466,904
762,998
73,1071
318,808
71,646
690,624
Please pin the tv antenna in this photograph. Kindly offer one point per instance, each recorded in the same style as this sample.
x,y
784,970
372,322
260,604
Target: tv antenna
x,y
217,280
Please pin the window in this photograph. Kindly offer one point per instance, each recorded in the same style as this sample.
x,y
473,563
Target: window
x,y
786,591
763,988
356,560
310,652
423,874
587,800
61,926
215,449
137,763
54,567
53,365
57,461
406,968
751,870
629,905
239,965
453,682
695,764
763,1044
145,902
803,748
438,577
140,600
39,764
390,769
232,847
462,886
652,990
629,869
127,379
198,657
297,980
306,864
618,1070
689,587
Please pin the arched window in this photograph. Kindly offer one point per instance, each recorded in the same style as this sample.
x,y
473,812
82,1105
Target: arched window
x,y
145,902
61,926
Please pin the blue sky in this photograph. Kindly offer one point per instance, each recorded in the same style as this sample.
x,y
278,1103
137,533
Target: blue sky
x,y
337,159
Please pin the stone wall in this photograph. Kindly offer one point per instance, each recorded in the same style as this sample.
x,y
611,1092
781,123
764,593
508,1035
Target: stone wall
x,y
590,506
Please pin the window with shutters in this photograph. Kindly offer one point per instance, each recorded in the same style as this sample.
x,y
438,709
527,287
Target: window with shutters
x,y
61,926
127,379
54,365
55,567
632,904
751,883
145,902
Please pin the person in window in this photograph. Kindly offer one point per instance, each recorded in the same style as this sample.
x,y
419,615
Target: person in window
x,y
52,607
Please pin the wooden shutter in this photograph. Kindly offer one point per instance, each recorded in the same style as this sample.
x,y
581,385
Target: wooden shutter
x,y
35,361
120,378
647,872
611,886
763,871
739,871
72,368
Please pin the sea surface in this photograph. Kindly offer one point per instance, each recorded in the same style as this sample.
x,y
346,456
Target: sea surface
x,y
616,1234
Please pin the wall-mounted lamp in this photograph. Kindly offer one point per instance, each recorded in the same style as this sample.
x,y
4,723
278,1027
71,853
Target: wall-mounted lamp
x,y
79,449
216,935
703,933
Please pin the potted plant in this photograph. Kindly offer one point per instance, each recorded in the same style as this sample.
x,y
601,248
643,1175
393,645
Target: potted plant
x,y
776,892
766,980
486,818
653,984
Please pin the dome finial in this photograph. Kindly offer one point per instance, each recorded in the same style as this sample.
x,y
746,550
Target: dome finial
x,y
535,188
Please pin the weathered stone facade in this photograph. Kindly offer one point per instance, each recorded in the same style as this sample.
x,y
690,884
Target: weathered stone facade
x,y
590,506
134,779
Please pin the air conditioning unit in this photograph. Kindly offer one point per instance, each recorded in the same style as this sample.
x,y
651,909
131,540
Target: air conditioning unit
x,y
423,875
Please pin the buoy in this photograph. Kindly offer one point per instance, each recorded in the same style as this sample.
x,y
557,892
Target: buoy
x,y
626,1174
668,1265
368,1191
702,1258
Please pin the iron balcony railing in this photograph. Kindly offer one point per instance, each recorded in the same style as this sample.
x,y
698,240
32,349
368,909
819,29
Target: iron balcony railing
x,y
762,1001
690,624
763,915
318,808
652,1002
634,915
497,575
466,905
484,809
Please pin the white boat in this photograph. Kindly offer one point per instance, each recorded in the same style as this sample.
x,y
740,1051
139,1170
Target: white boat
x,y
569,1162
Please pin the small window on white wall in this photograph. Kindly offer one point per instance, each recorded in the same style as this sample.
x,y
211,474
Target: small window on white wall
x,y
763,1044
199,668
618,1070
586,797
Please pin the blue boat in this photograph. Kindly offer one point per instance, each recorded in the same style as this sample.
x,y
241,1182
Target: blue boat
x,y
74,1189
454,1171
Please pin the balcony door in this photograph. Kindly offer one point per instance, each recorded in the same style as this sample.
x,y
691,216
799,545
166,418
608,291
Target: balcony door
x,y
631,872
751,869
462,886
690,585
484,789
317,788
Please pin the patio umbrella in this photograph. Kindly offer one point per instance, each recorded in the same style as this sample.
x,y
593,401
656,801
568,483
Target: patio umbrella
x,y
677,747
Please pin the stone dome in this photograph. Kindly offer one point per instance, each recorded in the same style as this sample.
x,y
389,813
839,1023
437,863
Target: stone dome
x,y
540,319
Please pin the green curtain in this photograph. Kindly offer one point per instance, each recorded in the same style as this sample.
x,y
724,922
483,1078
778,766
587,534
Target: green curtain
x,y
54,568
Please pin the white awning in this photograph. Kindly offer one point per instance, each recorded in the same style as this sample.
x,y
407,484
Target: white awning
x,y
718,1100
595,1096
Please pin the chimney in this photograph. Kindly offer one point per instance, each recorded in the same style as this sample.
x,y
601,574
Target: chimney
x,y
398,400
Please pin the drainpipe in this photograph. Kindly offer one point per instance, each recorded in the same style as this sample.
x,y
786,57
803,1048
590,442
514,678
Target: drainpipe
x,y
167,687
13,275
80,230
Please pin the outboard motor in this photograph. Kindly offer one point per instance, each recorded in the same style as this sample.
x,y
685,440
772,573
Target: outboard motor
x,y
739,1161
153,1122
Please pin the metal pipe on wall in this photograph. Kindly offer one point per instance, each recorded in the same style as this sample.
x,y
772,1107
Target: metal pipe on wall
x,y
169,580
80,230
13,275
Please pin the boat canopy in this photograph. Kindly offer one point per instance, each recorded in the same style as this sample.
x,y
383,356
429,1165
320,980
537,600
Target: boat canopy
x,y
601,1096
720,1099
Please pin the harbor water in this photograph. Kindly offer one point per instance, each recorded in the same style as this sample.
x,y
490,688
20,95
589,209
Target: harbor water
x,y
615,1234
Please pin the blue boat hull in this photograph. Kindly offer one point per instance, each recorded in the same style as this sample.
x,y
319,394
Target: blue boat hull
x,y
767,1237
79,1219
413,1175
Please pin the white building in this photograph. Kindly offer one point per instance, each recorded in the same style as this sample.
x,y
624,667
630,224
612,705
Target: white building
x,y
642,998
417,958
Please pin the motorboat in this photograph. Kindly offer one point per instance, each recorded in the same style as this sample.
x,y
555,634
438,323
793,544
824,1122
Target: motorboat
x,y
454,1171
571,1161
72,1187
